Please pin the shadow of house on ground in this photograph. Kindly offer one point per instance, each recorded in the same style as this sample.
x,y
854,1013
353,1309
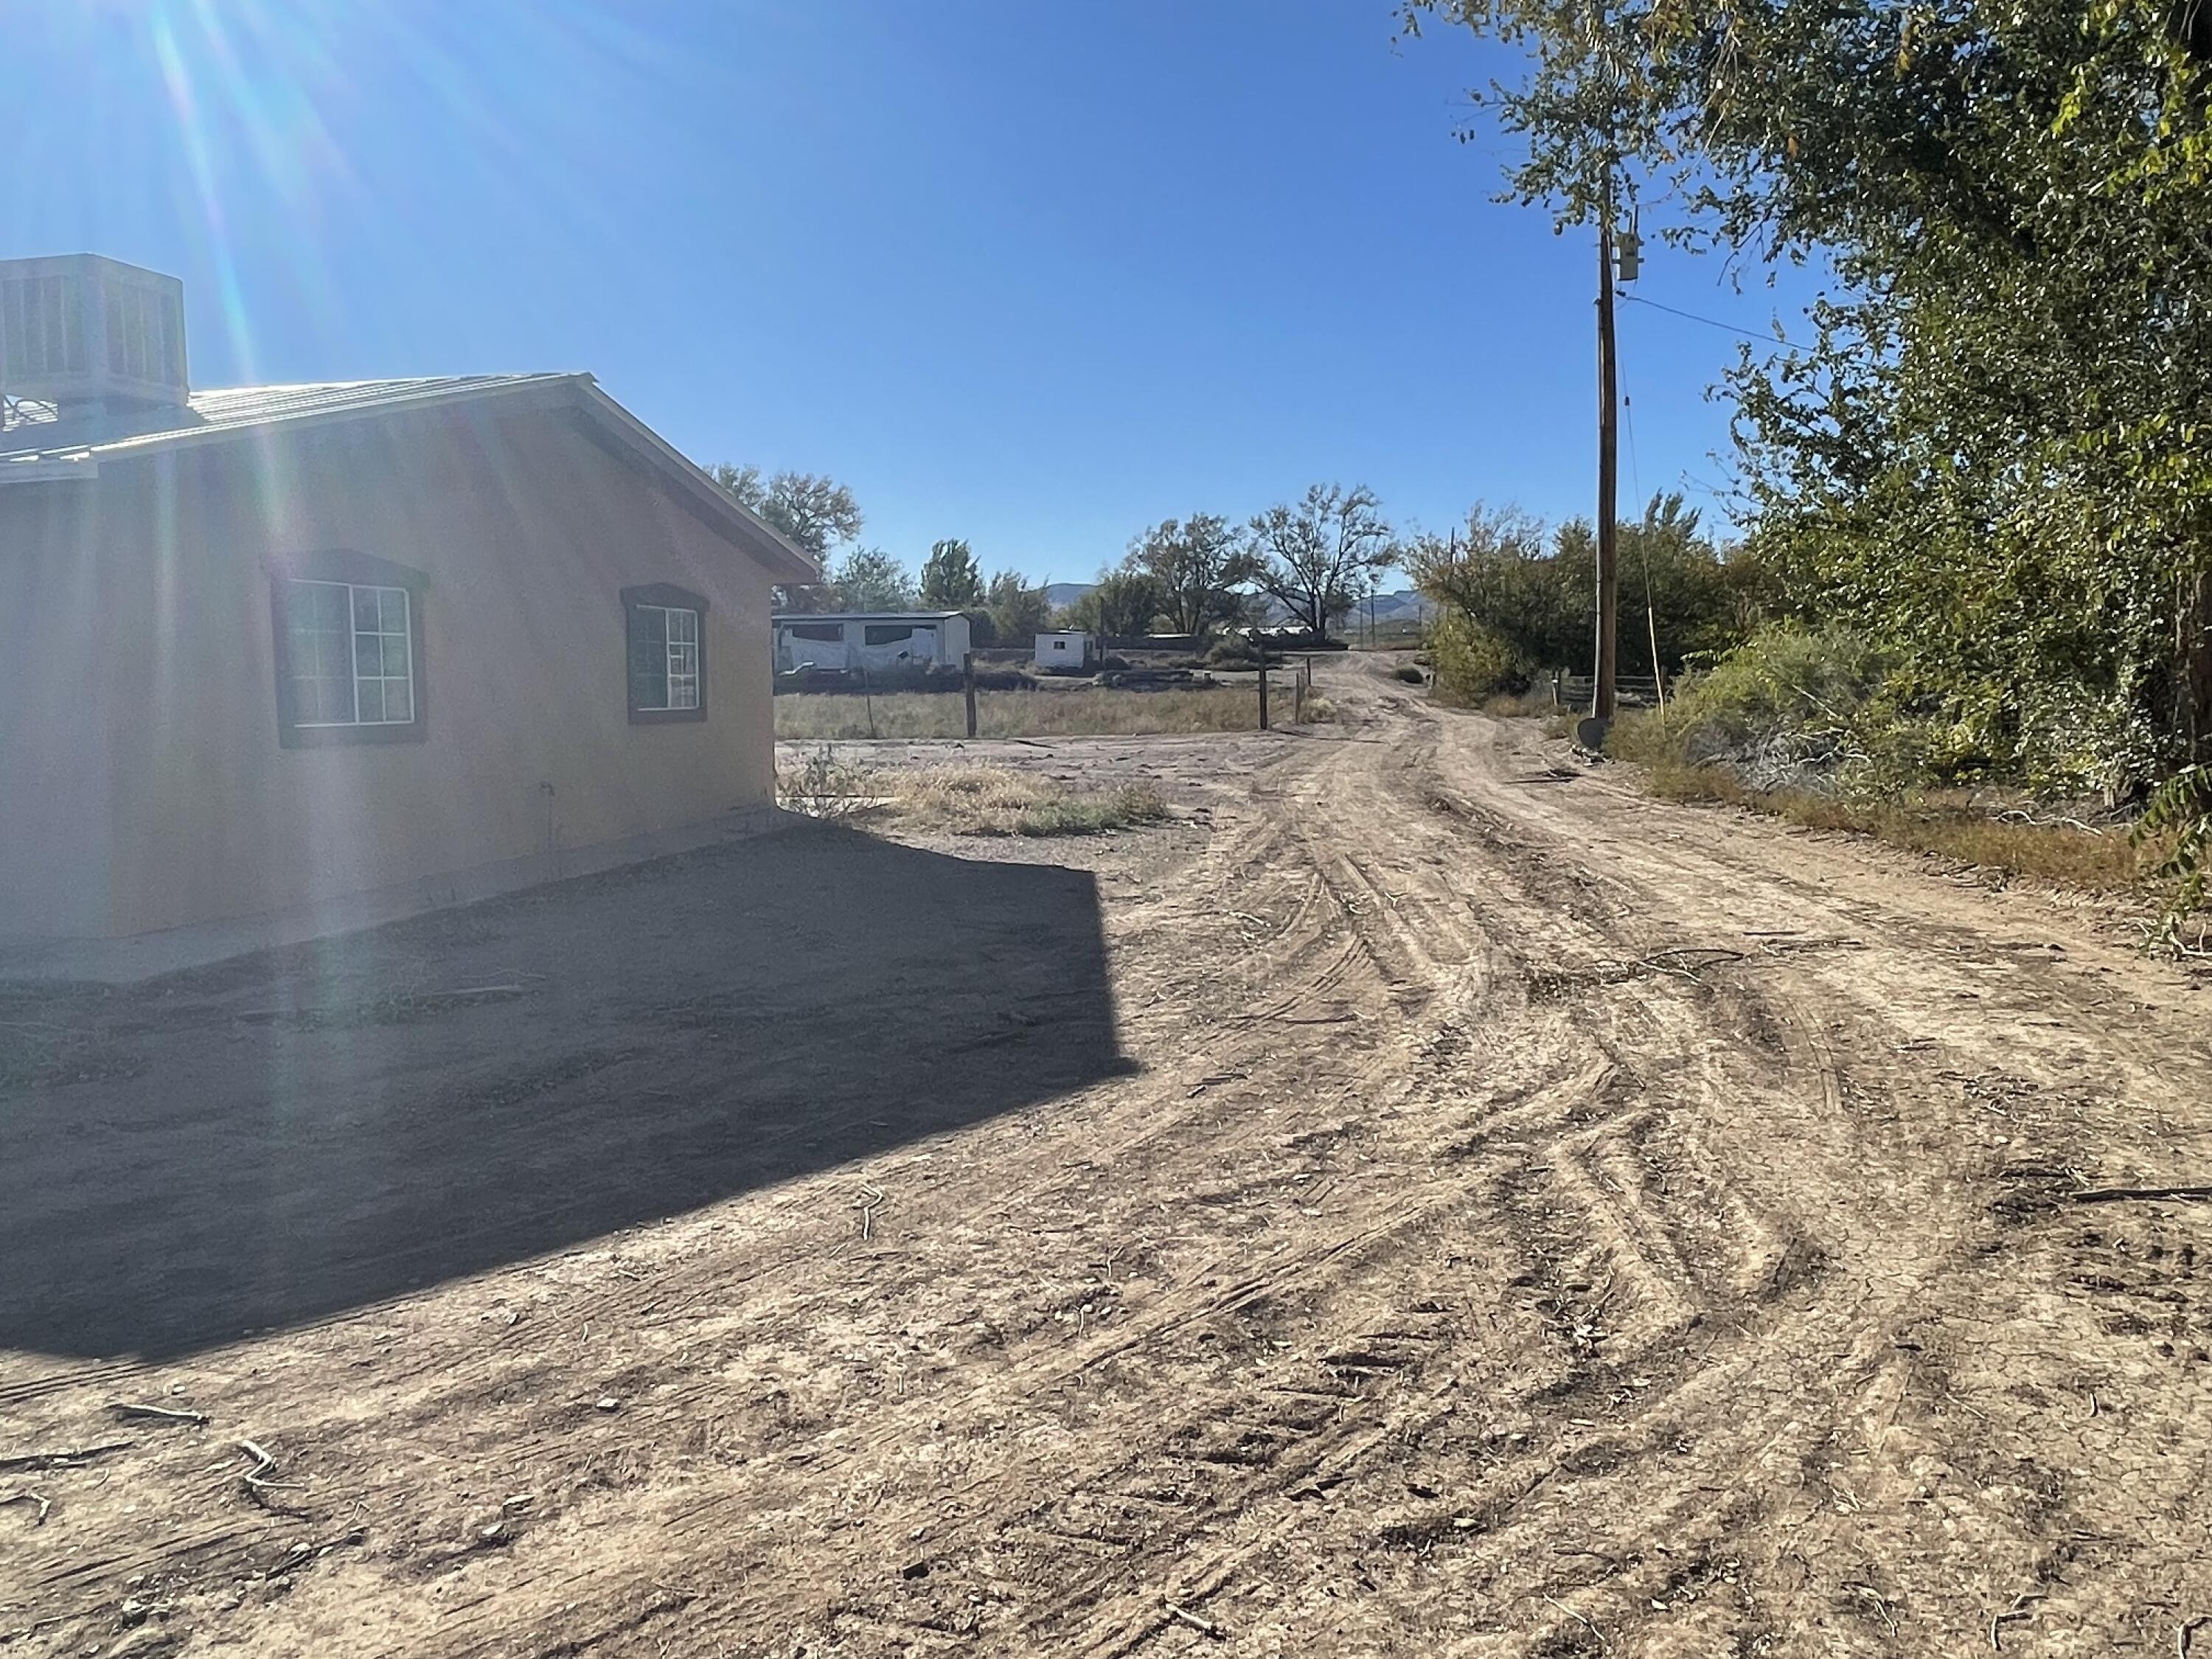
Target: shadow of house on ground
x,y
287,1136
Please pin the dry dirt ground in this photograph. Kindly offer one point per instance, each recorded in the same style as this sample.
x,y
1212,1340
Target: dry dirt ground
x,y
1430,1200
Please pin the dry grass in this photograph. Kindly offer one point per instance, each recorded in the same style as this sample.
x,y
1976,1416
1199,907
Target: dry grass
x,y
961,801
997,800
1520,705
809,717
2066,854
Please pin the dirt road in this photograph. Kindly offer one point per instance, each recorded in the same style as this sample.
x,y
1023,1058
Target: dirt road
x,y
1430,1201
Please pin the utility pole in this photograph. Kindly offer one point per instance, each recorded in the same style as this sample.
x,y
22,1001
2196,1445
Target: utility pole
x,y
1603,682
1608,468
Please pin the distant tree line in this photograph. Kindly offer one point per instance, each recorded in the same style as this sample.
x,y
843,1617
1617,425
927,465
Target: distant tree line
x,y
821,518
1316,557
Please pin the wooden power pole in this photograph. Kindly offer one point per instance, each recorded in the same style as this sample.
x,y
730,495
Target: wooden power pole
x,y
1609,471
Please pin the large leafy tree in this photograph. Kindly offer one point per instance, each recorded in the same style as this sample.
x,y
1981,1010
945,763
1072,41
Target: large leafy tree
x,y
1199,563
1990,455
1495,574
951,580
869,579
1521,597
1018,611
815,513
1125,603
1320,556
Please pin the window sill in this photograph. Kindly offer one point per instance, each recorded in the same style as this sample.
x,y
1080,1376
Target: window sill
x,y
338,737
666,716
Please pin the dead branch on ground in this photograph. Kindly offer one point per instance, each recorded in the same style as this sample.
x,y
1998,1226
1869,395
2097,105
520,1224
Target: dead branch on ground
x,y
162,1413
2116,1195
62,1459
1205,1627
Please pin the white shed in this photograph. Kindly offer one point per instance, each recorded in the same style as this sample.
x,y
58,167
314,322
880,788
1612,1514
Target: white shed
x,y
873,640
1071,651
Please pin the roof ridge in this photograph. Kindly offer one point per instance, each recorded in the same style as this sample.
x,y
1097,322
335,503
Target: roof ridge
x,y
390,380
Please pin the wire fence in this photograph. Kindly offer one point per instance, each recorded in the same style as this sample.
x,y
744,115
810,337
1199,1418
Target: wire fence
x,y
1575,690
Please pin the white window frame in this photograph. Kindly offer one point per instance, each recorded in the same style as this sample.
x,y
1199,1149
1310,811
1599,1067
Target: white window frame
x,y
353,635
677,651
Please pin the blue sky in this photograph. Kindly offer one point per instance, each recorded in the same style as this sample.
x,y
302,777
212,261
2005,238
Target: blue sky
x,y
1033,274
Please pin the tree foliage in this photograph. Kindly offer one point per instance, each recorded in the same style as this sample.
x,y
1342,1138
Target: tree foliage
x,y
1320,556
1201,565
869,579
1991,456
950,579
1019,612
1519,597
1124,603
815,513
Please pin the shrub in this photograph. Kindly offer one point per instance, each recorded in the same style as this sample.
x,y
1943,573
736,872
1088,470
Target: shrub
x,y
2177,823
1232,651
1471,660
1789,708
822,786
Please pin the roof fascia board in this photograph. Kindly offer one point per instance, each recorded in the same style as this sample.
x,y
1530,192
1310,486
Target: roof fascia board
x,y
714,504
57,469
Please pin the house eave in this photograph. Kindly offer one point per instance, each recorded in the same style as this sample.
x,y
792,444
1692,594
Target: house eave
x,y
745,529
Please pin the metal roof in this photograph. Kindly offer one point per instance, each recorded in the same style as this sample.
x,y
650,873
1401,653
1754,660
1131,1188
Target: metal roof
x,y
215,414
74,446
865,616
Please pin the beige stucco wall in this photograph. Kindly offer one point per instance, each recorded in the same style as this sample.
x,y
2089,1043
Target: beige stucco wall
x,y
526,530
54,760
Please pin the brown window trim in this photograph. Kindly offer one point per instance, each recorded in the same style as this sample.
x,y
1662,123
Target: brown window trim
x,y
366,570
668,597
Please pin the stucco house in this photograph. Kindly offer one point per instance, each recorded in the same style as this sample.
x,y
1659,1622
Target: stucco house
x,y
263,646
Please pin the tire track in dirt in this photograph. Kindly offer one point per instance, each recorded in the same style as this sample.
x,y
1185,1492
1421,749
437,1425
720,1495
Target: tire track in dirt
x,y
1462,1275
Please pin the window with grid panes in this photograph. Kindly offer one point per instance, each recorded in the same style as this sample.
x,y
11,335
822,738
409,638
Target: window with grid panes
x,y
352,654
348,650
667,667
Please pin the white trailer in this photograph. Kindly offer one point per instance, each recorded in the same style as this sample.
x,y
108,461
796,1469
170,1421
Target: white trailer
x,y
871,642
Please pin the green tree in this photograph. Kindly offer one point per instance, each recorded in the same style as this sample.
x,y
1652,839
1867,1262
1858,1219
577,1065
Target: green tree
x,y
1520,598
1505,610
869,579
1125,603
815,513
1989,456
950,578
1199,563
1019,612
1320,556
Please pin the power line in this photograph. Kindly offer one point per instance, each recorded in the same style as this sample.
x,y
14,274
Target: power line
x,y
1710,322
1643,555
1628,420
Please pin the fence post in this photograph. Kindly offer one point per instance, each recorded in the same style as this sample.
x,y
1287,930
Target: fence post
x,y
968,687
1263,688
